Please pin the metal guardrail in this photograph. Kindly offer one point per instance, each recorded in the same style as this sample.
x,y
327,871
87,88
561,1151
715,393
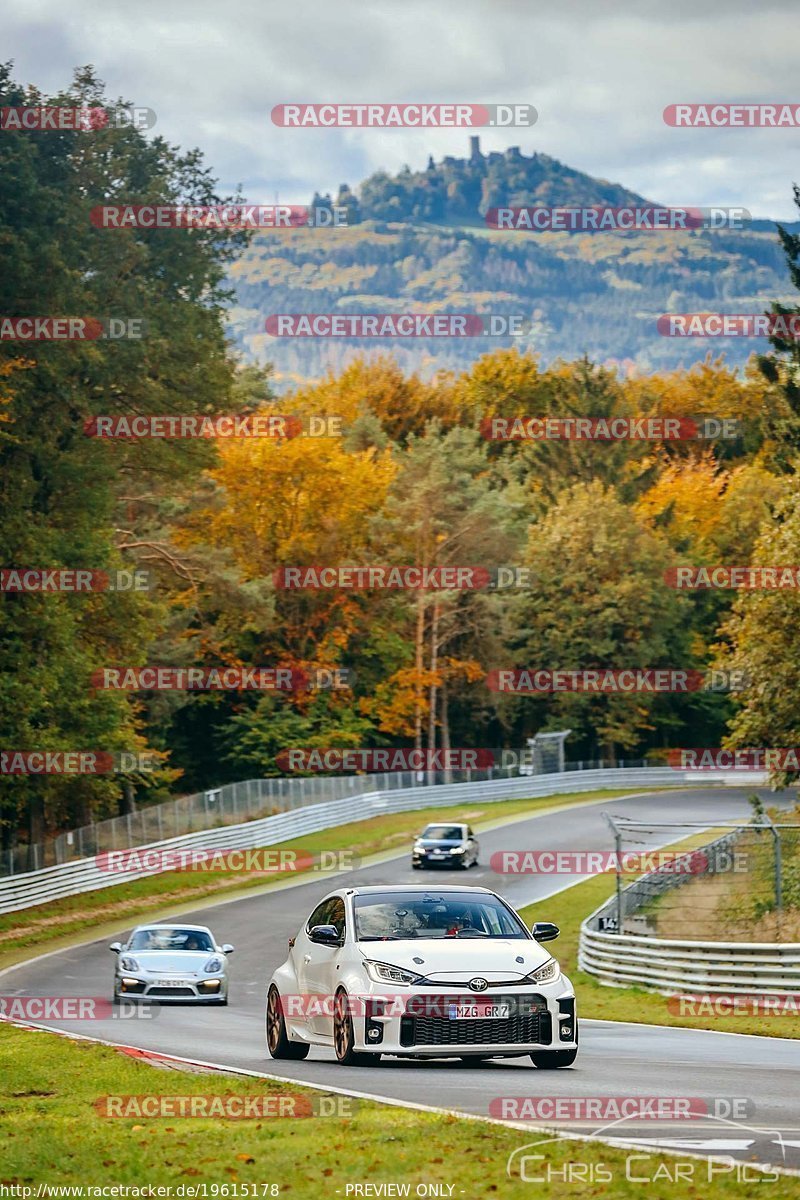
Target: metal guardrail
x,y
84,875
679,966
250,799
683,967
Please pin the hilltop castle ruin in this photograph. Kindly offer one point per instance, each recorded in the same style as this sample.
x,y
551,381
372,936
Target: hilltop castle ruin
x,y
475,155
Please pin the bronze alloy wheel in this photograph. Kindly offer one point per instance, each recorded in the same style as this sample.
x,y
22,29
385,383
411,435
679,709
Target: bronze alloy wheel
x,y
344,1036
278,1042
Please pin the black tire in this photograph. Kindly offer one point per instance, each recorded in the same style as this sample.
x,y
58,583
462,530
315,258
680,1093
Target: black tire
x,y
416,866
551,1060
278,1043
344,1036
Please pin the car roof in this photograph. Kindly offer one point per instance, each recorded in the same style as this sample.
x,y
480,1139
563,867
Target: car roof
x,y
447,825
173,925
421,888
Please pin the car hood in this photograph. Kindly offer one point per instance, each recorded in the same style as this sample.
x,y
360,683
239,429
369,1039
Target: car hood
x,y
449,960
443,843
172,962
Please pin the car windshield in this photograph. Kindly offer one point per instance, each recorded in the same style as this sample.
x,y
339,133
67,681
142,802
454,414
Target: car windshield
x,y
400,916
171,939
443,833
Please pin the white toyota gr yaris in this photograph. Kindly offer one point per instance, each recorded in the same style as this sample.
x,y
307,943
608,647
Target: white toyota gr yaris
x,y
421,972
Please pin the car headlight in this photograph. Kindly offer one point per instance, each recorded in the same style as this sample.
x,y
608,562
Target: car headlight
x,y
547,973
212,966
129,964
386,973
458,850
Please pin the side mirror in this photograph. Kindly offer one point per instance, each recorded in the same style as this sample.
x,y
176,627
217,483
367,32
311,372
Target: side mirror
x,y
544,931
325,935
116,947
228,948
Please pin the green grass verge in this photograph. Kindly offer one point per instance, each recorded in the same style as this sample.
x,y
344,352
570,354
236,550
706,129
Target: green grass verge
x,y
52,1133
61,923
568,909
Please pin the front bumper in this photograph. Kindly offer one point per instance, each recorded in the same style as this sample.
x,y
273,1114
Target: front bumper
x,y
420,1025
446,859
192,989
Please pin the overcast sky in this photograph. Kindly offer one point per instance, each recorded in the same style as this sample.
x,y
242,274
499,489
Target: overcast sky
x,y
599,72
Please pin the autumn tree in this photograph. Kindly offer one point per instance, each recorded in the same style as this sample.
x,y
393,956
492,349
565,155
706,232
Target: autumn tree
x,y
446,508
760,640
71,500
599,601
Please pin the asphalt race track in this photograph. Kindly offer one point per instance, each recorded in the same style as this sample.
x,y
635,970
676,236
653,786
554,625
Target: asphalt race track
x,y
615,1059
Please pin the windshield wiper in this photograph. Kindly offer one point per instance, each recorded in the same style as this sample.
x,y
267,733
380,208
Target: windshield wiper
x,y
382,937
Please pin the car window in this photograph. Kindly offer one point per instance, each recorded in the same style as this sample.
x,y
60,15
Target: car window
x,y
400,916
444,833
320,915
336,915
171,939
470,833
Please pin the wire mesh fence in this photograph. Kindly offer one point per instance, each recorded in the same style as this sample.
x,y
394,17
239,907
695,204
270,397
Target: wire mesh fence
x,y
743,884
252,799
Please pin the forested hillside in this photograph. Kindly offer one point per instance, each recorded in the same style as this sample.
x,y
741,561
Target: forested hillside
x,y
419,242
409,479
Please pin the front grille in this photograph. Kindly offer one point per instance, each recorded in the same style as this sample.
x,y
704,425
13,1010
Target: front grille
x,y
464,983
177,991
530,1022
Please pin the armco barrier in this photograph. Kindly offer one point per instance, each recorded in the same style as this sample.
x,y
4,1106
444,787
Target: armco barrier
x,y
682,967
70,879
252,799
693,968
